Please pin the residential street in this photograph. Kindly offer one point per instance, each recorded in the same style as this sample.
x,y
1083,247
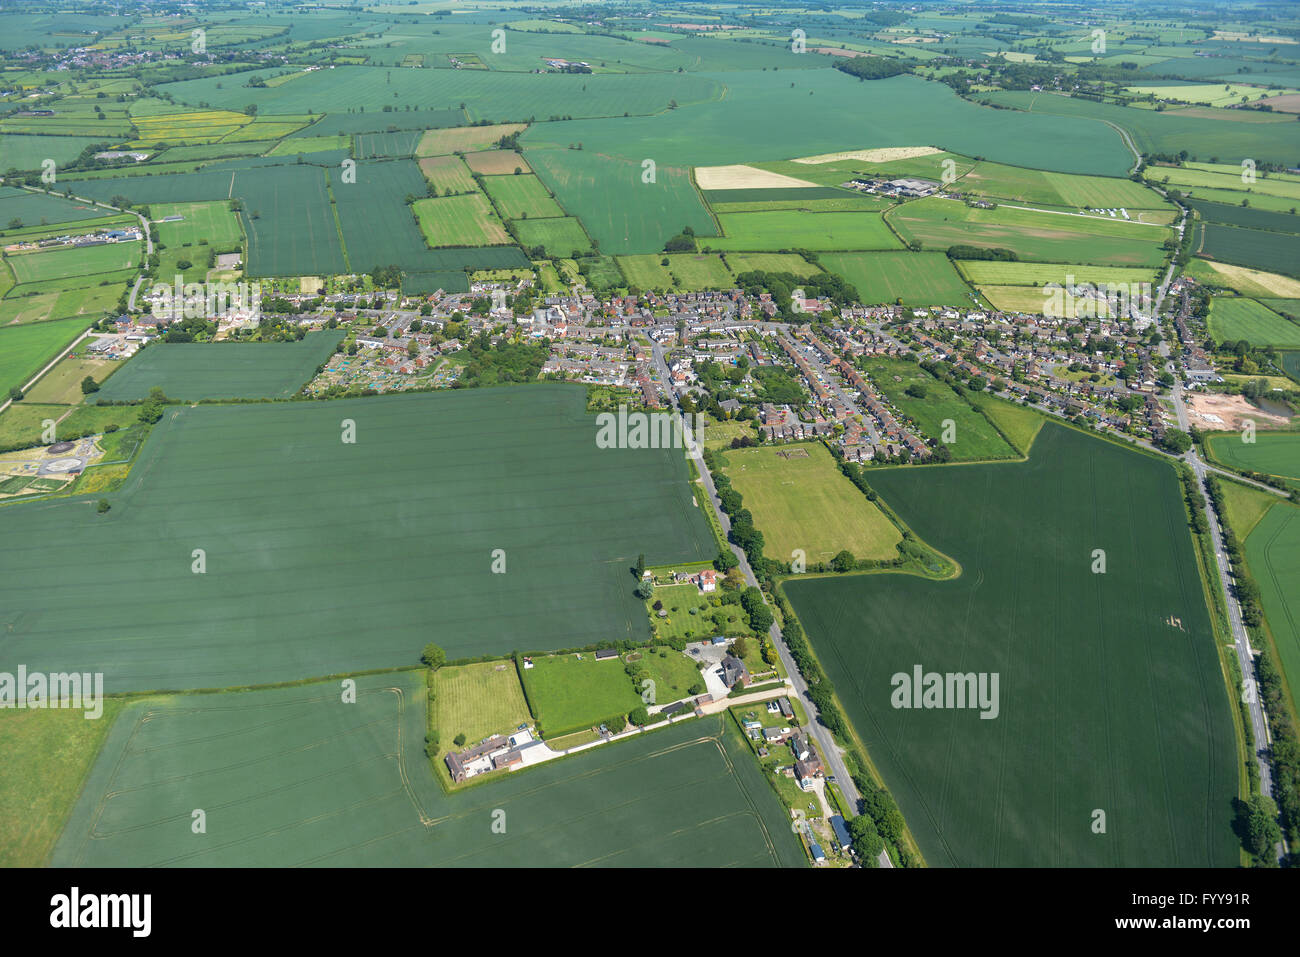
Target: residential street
x,y
825,742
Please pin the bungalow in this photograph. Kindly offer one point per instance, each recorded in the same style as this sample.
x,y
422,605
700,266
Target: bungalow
x,y
841,830
776,735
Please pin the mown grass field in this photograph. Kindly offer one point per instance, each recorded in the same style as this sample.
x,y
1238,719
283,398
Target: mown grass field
x,y
477,700
460,221
1233,318
448,173
47,755
975,438
570,694
222,370
915,279
91,301
805,503
1110,686
559,237
25,349
294,777
1038,274
1019,424
324,557
791,229
521,197
1036,236
210,222
464,139
76,263
62,384
771,262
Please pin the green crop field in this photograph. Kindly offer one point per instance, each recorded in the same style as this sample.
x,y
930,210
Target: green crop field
x,y
478,700
1233,318
1203,134
805,503
1110,687
917,279
35,208
617,207
25,349
791,229
306,575
288,221
1034,235
378,228
1260,248
221,370
521,197
1273,554
570,694
558,237
294,777
1273,453
460,221
975,436
685,272
77,265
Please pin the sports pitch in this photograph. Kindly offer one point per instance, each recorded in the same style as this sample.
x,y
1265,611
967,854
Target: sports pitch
x,y
228,370
324,557
295,777
1111,694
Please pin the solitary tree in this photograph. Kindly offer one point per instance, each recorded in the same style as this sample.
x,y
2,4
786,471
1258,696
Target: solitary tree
x,y
433,656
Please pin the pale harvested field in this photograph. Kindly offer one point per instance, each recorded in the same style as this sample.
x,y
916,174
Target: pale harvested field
x,y
744,177
1275,285
884,154
497,162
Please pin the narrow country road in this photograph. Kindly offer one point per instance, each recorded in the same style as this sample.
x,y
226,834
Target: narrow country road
x,y
826,743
